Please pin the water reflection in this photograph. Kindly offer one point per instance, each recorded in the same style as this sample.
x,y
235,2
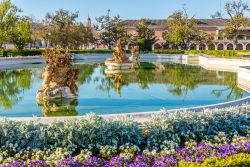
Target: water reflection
x,y
178,78
230,81
58,107
176,82
12,83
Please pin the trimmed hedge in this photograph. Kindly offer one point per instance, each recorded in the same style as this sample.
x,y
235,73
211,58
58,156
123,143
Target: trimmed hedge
x,y
218,53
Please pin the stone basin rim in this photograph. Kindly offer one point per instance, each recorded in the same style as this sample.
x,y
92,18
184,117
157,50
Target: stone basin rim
x,y
139,117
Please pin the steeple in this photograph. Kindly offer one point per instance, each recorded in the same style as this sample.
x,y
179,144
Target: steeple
x,y
89,21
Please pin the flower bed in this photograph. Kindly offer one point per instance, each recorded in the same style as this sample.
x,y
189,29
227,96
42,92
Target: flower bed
x,y
201,155
92,136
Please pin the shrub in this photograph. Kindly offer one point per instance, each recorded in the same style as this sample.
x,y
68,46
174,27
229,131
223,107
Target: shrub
x,y
161,135
144,44
176,128
91,133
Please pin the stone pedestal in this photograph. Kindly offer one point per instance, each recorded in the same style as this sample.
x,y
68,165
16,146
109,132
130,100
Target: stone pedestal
x,y
118,66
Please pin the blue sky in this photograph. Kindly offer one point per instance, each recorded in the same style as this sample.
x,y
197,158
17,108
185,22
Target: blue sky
x,y
128,9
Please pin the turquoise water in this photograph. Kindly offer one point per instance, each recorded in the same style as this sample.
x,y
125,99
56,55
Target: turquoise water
x,y
172,86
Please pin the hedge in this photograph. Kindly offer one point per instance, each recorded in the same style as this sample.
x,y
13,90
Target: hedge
x,y
218,53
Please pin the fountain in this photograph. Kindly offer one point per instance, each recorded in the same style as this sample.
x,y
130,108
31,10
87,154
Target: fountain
x,y
59,78
120,61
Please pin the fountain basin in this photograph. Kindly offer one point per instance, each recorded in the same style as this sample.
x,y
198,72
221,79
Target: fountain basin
x,y
118,66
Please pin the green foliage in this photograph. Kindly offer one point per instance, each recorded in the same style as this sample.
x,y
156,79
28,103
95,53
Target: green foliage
x,y
180,127
145,44
235,11
91,132
25,52
166,131
217,53
238,160
12,83
21,34
182,31
111,29
64,31
9,18
145,38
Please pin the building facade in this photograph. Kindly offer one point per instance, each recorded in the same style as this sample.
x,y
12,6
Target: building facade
x,y
213,27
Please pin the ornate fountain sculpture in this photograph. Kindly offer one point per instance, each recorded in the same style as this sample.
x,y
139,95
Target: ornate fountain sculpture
x,y
59,78
120,61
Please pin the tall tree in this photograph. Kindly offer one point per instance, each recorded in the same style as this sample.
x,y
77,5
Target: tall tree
x,y
38,30
235,11
88,37
21,34
182,30
111,29
59,26
237,19
8,18
146,36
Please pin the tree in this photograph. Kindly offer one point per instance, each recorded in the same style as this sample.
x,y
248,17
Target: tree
x,y
237,20
235,11
21,34
8,19
145,37
39,32
182,30
59,26
111,29
88,36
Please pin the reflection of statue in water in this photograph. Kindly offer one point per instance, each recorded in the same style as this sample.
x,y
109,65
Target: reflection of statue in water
x,y
119,81
58,107
119,54
159,68
59,82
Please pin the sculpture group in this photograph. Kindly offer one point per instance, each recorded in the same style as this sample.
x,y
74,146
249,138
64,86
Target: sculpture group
x,y
120,60
59,81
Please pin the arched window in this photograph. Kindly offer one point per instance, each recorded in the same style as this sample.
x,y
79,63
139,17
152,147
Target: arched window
x,y
239,46
220,46
211,47
193,47
248,46
230,46
202,47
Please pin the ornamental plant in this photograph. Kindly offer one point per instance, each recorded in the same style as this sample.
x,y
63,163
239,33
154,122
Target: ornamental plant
x,y
223,132
200,155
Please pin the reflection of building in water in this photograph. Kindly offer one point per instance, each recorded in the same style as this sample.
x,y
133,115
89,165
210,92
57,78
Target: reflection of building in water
x,y
58,107
59,82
